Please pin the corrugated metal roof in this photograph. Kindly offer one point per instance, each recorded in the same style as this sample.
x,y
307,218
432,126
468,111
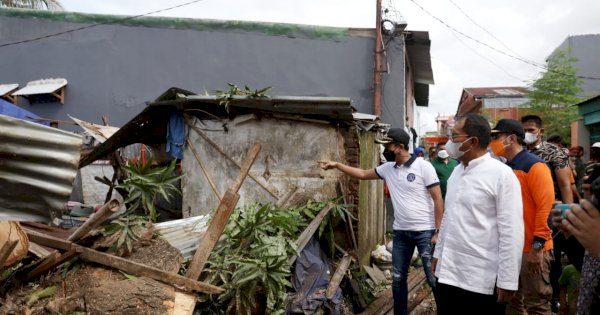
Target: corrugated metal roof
x,y
6,88
43,86
511,91
149,127
37,167
184,234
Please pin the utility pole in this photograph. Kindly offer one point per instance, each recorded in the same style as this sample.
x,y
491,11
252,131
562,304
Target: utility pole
x,y
377,66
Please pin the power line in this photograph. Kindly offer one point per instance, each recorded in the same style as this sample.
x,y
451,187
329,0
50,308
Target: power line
x,y
488,59
98,24
500,51
484,29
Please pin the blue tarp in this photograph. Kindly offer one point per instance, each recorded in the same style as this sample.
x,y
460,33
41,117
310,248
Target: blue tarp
x,y
11,110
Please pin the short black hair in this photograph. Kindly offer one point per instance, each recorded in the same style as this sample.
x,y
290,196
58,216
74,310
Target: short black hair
x,y
439,144
477,126
534,118
554,139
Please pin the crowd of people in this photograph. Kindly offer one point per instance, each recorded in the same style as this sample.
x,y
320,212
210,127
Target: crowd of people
x,y
504,220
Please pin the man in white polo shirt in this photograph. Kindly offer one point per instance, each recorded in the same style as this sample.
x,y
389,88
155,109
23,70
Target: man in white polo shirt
x,y
418,208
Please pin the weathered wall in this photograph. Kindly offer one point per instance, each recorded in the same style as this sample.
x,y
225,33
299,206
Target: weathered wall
x,y
114,69
287,158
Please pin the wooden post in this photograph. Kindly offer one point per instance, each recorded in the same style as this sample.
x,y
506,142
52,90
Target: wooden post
x,y
219,220
309,231
95,219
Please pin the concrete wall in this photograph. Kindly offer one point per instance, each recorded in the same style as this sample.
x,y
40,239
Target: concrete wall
x,y
114,69
287,158
585,49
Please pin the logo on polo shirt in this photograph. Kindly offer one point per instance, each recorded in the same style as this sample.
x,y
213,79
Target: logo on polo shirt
x,y
411,177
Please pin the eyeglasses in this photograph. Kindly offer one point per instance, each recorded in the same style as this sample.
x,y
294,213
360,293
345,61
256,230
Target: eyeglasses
x,y
452,137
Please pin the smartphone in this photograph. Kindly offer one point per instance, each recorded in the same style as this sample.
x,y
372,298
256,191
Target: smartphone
x,y
563,207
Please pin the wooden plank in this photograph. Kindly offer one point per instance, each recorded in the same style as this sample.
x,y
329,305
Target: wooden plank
x,y
310,230
147,271
245,168
53,260
95,219
38,250
219,220
184,304
218,148
381,305
338,276
375,276
124,264
47,240
212,234
210,181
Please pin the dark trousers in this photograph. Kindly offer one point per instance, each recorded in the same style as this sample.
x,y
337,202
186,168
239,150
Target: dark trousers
x,y
402,251
452,300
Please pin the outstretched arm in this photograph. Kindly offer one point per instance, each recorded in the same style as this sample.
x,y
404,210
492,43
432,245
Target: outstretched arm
x,y
349,170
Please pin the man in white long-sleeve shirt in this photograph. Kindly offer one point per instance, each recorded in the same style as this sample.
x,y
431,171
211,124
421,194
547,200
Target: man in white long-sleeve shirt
x,y
481,238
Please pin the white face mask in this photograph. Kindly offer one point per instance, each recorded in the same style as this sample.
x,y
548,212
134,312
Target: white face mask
x,y
453,149
530,138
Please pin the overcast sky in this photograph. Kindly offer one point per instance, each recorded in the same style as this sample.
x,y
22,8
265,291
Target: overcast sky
x,y
530,29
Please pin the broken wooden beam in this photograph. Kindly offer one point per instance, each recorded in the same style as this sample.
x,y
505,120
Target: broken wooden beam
x,y
95,219
219,220
53,260
310,230
338,276
123,264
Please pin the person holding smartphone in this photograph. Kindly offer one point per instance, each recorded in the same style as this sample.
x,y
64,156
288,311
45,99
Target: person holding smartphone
x,y
581,221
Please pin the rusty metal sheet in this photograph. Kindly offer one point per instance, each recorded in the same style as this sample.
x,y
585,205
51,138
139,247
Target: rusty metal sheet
x,y
38,165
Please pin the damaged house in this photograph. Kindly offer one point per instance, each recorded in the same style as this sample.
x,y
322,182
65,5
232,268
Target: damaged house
x,y
92,66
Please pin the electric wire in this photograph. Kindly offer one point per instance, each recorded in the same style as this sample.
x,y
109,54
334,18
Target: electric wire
x,y
483,28
118,20
498,50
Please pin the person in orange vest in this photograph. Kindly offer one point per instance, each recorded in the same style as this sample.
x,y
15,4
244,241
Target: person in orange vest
x,y
537,191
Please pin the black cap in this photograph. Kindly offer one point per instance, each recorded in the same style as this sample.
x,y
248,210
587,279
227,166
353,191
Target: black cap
x,y
510,126
395,135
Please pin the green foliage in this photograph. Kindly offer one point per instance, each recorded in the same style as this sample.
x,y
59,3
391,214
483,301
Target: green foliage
x,y
123,231
554,92
146,182
225,97
51,5
253,261
41,294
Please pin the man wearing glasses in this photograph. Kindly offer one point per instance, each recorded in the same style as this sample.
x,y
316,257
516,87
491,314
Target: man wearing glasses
x,y
480,243
418,208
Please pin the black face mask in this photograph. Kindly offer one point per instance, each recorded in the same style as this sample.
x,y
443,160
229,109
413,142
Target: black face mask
x,y
389,155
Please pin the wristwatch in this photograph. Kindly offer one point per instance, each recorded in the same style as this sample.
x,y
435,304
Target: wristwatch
x,y
538,243
436,231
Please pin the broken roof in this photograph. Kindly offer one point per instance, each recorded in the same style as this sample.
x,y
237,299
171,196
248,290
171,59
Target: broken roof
x,y
149,127
37,171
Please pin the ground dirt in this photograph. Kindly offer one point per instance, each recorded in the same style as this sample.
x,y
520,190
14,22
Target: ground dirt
x,y
94,289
